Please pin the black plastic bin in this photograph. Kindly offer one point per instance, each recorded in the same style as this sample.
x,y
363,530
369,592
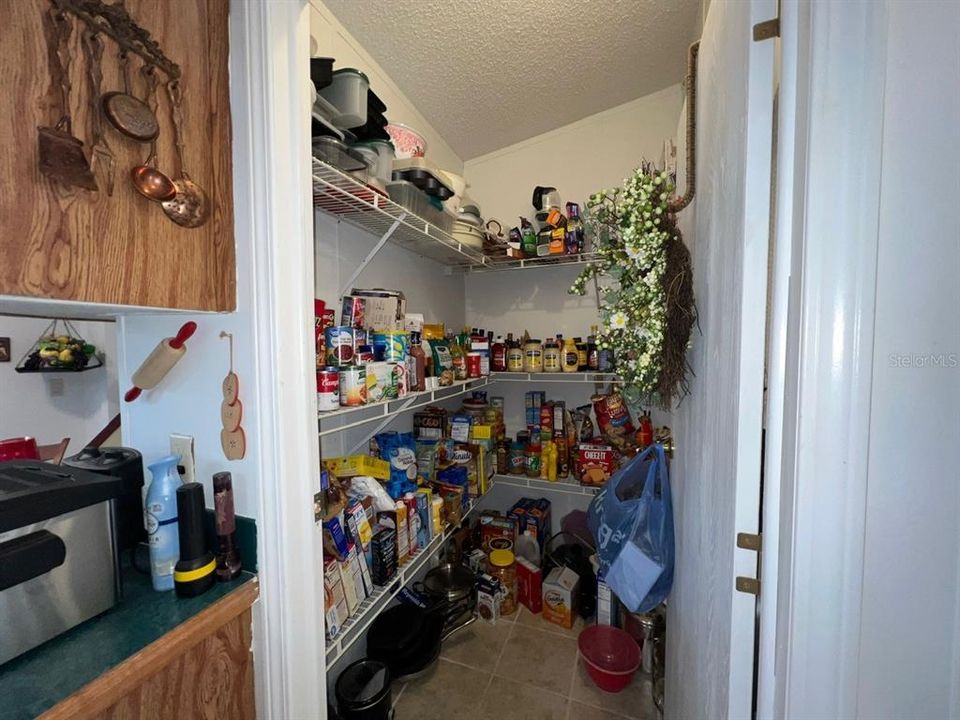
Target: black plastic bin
x,y
363,691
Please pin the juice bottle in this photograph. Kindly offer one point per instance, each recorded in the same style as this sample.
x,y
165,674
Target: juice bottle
x,y
571,358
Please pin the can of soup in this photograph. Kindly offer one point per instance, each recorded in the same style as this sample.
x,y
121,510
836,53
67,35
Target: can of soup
x,y
328,389
339,342
364,354
353,386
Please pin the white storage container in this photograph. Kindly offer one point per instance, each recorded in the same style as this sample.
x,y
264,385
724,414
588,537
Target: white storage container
x,y
348,94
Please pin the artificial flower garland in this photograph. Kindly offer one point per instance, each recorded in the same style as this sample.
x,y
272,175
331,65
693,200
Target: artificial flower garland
x,y
646,303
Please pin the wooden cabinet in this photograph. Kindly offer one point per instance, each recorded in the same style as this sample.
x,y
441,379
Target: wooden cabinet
x,y
73,244
201,669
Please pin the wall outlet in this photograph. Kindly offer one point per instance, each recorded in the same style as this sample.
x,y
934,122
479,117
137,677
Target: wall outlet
x,y
182,445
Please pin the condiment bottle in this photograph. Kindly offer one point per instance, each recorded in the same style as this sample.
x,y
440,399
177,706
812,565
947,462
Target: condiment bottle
x,y
593,354
228,553
418,363
581,354
605,359
514,356
516,461
498,355
532,457
528,241
459,358
533,356
552,361
571,358
575,228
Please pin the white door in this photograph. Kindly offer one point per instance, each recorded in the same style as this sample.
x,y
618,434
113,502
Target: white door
x,y
711,627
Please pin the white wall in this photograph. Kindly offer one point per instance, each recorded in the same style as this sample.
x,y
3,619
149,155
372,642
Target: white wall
x,y
578,159
910,622
50,407
333,40
584,157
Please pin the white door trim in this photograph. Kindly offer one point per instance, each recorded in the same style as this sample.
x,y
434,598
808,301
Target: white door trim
x,y
269,45
825,279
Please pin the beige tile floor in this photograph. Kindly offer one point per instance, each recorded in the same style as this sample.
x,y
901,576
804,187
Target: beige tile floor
x,y
522,668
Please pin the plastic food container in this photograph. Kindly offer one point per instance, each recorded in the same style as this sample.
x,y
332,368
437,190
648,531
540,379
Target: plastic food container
x,y
502,565
416,201
610,655
347,92
467,235
383,166
408,142
334,152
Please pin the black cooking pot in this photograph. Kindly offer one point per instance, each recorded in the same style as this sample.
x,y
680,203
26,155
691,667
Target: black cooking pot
x,y
451,583
363,691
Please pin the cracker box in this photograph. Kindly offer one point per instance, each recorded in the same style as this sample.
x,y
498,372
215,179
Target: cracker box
x,y
353,465
494,525
384,544
560,596
430,424
529,585
335,601
594,463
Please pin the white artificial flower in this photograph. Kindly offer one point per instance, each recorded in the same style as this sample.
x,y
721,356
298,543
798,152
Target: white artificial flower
x,y
618,321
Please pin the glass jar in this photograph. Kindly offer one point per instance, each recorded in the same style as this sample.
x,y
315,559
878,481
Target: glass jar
x,y
552,360
502,565
533,356
515,359
532,460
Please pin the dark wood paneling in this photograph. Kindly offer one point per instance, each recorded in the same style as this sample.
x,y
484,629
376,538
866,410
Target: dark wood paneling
x,y
80,245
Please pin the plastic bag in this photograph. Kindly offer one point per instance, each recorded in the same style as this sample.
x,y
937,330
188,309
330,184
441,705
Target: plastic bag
x,y
632,523
362,486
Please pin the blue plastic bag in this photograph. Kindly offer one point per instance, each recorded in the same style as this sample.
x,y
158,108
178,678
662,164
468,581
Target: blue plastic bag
x,y
631,519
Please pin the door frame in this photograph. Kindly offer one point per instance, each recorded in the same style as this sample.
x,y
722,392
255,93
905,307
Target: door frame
x,y
820,355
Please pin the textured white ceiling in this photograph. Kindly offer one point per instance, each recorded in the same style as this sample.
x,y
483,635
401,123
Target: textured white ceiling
x,y
489,73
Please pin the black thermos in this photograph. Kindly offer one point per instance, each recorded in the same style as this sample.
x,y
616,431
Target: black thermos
x,y
194,573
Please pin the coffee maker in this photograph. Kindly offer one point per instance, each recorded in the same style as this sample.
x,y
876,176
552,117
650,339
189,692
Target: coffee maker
x,y
126,464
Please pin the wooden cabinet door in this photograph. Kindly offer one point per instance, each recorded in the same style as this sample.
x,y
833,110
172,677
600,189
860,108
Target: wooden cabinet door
x,y
82,245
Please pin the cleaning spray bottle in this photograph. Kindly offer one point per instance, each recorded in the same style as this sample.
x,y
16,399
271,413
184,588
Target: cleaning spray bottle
x,y
160,520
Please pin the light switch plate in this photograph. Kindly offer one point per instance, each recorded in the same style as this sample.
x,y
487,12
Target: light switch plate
x,y
182,445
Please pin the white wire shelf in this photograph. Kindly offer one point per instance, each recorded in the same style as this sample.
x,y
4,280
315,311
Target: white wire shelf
x,y
554,377
356,626
498,263
345,197
566,485
363,414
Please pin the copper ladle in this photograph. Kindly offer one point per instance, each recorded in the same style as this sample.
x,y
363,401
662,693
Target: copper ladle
x,y
147,180
190,207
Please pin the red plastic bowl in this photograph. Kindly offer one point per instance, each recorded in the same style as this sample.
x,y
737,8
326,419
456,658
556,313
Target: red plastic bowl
x,y
610,655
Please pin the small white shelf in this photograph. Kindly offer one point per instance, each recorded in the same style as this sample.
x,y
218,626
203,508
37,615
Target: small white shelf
x,y
363,414
498,263
553,377
343,196
567,485
355,627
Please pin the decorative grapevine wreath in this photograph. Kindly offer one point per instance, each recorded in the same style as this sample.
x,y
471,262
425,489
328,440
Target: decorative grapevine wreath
x,y
645,296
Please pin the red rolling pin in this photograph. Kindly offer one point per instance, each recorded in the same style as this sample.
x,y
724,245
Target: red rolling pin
x,y
165,355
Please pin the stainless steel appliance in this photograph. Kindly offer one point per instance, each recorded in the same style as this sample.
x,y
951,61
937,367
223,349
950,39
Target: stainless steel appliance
x,y
58,554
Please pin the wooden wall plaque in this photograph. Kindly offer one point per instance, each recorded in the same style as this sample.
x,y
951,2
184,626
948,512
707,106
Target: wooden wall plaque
x,y
80,245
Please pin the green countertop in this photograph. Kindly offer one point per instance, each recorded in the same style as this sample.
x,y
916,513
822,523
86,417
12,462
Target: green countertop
x,y
39,679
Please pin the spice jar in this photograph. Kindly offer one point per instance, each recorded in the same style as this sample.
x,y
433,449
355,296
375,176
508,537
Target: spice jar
x,y
552,361
516,462
533,356
502,565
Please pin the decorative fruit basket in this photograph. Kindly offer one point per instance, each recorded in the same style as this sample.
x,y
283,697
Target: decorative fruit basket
x,y
60,348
